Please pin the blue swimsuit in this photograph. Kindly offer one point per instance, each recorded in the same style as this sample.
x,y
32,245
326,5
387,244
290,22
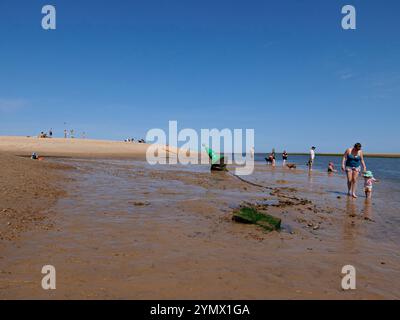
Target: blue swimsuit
x,y
353,161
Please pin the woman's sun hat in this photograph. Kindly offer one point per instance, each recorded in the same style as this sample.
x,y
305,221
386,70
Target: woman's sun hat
x,y
368,174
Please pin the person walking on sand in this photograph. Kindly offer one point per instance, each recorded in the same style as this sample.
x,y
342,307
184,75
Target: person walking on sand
x,y
311,159
65,134
352,161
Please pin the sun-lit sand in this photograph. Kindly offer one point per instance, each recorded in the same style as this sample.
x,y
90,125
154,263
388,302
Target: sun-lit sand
x,y
82,148
25,146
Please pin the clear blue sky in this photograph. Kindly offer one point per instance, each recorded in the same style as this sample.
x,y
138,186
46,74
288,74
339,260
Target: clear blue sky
x,y
115,69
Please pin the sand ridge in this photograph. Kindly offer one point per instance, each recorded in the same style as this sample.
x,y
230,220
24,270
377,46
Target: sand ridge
x,y
60,147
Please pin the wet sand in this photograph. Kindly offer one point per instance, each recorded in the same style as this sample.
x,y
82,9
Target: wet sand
x,y
125,230
27,188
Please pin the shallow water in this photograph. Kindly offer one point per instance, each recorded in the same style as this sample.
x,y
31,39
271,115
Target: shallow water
x,y
387,169
116,184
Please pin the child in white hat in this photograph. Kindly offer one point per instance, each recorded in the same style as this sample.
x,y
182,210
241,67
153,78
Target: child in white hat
x,y
368,183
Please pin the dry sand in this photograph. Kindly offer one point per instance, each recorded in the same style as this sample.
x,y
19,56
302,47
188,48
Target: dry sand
x,y
58,147
85,148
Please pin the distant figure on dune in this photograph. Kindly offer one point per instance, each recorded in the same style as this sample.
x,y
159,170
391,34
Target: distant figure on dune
x,y
352,161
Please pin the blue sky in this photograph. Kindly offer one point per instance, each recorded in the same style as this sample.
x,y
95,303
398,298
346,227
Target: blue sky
x,y
116,69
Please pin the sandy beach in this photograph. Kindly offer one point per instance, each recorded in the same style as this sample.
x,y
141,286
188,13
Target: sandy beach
x,y
216,151
60,147
121,229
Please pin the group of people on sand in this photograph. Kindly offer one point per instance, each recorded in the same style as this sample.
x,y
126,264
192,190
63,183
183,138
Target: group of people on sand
x,y
353,165
67,134
71,134
133,140
46,135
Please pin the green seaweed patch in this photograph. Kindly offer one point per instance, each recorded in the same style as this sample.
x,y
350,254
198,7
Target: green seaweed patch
x,y
251,215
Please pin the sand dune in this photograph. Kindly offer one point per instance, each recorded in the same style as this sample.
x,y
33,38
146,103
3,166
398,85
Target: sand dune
x,y
80,148
25,146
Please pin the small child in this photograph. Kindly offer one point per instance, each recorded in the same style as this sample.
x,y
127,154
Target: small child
x,y
331,167
368,182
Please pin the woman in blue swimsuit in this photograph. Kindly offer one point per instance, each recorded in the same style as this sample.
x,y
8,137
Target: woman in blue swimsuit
x,y
352,161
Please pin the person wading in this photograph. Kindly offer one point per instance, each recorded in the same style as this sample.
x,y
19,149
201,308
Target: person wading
x,y
352,161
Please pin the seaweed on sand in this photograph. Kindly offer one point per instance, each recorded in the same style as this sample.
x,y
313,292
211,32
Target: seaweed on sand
x,y
250,215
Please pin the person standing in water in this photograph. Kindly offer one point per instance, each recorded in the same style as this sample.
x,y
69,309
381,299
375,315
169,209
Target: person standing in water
x,y
312,157
284,157
369,180
352,161
272,157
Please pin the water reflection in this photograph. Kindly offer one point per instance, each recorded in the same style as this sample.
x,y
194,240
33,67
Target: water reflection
x,y
352,211
367,210
351,207
349,225
310,179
